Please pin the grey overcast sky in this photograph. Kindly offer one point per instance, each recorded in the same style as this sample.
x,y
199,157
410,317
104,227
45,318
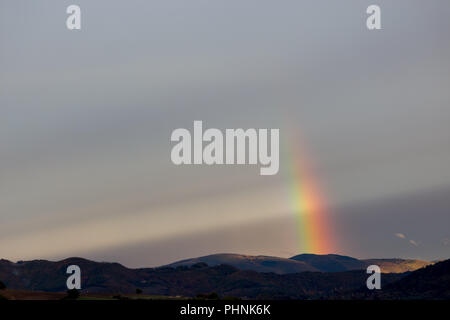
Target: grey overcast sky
x,y
86,118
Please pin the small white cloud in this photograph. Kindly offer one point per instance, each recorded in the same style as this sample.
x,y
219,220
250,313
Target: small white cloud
x,y
400,235
446,241
413,243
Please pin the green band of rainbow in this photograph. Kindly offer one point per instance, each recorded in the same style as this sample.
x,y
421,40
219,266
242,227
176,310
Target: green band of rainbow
x,y
308,204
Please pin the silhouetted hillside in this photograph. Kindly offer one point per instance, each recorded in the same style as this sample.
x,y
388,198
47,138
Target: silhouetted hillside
x,y
397,265
303,262
431,282
336,263
183,280
99,277
247,262
331,262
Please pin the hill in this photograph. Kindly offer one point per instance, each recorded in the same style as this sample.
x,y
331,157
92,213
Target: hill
x,y
188,279
246,262
331,262
398,265
431,282
303,262
336,263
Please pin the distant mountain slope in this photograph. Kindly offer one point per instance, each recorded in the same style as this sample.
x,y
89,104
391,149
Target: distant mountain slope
x,y
428,283
41,275
246,262
398,265
337,263
331,262
431,282
106,277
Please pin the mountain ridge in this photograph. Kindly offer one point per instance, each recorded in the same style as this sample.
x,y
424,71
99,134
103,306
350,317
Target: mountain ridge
x,y
303,262
263,263
259,263
432,281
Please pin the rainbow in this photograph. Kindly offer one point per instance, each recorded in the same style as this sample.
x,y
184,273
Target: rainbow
x,y
308,204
